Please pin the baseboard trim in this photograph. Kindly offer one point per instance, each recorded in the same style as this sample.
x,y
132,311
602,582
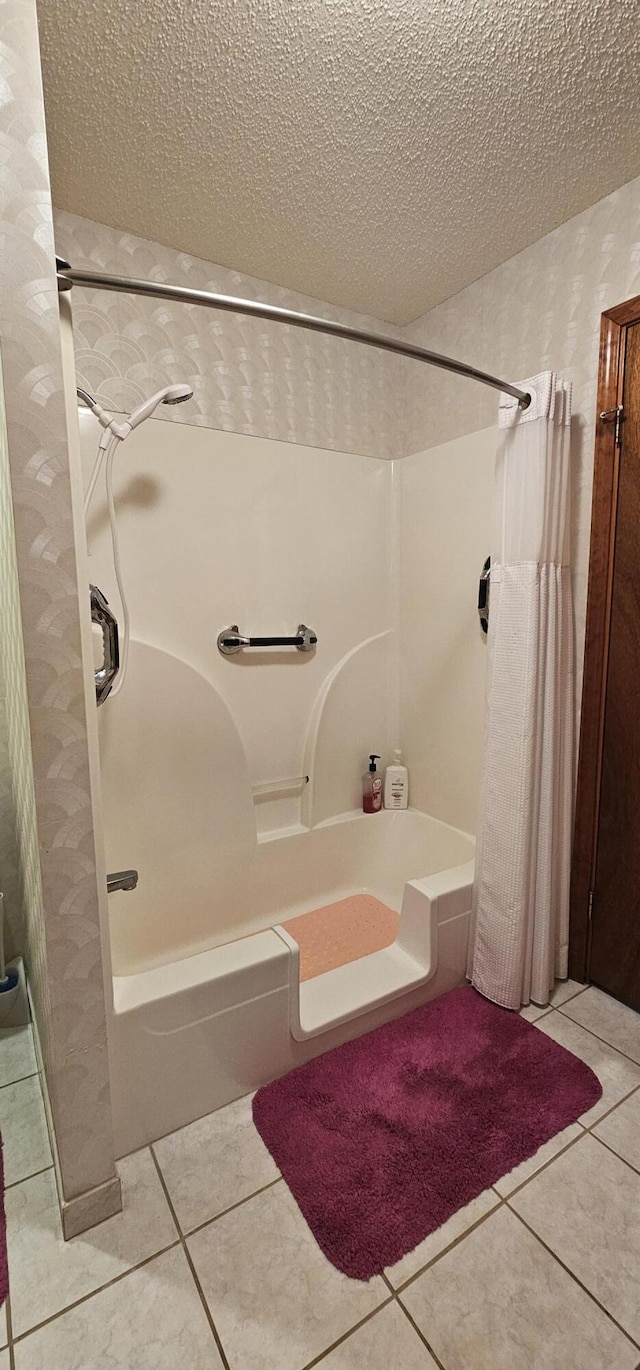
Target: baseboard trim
x,y
91,1208
94,1205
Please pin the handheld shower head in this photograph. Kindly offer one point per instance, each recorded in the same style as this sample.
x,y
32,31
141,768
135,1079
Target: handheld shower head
x,y
171,394
177,394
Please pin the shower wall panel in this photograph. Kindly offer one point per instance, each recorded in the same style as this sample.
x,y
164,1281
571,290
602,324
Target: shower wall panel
x,y
445,534
219,529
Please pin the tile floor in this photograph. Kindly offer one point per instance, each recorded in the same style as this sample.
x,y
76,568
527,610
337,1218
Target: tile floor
x,y
211,1265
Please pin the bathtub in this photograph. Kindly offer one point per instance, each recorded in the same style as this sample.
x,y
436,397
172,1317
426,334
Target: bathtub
x,y
190,1033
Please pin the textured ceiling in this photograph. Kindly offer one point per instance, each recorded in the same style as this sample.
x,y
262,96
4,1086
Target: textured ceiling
x,y
379,154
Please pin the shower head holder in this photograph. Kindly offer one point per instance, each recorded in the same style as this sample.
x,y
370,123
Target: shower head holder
x,y
170,394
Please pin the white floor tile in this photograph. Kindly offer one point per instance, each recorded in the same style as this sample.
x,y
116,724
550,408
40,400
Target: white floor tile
x,y
3,1325
47,1274
17,1054
617,1024
533,1011
565,990
621,1130
586,1208
499,1301
442,1237
214,1163
562,992
274,1297
23,1127
386,1342
523,1172
617,1075
153,1319
5,1362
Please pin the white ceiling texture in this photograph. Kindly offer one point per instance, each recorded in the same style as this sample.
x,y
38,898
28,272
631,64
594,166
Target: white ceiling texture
x,y
378,154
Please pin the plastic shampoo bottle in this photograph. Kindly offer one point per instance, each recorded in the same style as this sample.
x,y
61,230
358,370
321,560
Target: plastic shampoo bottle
x,y
372,787
396,784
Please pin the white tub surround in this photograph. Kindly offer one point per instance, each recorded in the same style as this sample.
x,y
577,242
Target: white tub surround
x,y
202,757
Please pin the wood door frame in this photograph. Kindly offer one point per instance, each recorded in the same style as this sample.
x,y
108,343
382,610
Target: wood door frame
x,y
614,324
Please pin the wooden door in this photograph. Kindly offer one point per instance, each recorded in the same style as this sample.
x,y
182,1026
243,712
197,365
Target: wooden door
x,y
615,938
605,937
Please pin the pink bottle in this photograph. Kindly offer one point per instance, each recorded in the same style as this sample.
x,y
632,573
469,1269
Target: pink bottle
x,y
372,787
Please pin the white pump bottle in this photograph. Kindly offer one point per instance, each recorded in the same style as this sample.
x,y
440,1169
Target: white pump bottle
x,y
396,784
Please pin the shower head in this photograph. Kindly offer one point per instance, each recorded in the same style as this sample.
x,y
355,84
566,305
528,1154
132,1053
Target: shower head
x,y
172,394
177,394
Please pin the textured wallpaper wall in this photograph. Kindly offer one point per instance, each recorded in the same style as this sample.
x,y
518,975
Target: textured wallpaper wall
x,y
539,309
248,376
19,866
62,933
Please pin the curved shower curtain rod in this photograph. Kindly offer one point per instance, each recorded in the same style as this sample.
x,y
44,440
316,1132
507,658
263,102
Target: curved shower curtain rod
x,y
68,276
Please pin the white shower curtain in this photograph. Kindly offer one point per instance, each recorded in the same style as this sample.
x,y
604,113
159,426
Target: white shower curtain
x,y
521,894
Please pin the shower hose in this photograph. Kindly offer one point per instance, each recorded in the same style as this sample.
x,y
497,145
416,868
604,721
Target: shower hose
x,y
106,453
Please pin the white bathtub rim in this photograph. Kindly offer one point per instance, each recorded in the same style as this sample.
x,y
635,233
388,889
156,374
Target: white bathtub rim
x,y
259,961
353,853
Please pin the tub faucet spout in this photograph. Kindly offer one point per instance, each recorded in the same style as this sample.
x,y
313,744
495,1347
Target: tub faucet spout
x,y
122,880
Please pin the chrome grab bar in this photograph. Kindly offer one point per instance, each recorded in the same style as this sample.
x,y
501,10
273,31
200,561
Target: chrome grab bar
x,y
231,640
484,587
122,880
106,674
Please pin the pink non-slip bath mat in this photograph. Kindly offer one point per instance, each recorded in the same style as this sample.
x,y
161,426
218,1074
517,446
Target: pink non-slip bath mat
x,y
382,1139
339,933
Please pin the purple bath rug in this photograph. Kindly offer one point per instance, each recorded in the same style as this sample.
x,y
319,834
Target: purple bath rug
x,y
382,1139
